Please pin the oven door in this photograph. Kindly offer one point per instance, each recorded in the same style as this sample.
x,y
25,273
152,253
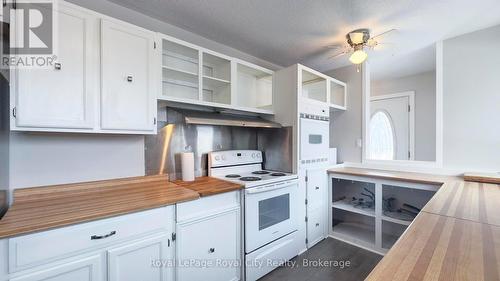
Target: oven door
x,y
314,140
270,213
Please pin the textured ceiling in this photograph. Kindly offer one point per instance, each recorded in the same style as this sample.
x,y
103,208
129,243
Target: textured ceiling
x,y
290,31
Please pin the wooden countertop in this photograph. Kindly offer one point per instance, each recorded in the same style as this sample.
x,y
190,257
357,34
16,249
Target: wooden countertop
x,y
206,186
455,237
43,208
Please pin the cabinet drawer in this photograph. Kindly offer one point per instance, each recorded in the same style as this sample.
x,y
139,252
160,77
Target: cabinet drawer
x,y
39,248
207,206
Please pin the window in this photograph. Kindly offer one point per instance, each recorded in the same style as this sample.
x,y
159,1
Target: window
x,y
381,137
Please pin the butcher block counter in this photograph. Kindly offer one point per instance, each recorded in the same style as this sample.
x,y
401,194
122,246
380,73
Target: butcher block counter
x,y
455,237
43,208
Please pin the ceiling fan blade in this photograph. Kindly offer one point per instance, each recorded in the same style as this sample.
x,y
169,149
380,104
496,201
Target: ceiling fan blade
x,y
338,55
384,33
335,46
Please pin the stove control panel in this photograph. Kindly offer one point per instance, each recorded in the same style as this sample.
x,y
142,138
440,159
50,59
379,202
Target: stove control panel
x,y
234,157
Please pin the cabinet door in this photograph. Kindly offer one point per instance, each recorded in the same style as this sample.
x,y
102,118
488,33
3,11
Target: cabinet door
x,y
317,183
128,93
88,269
316,206
63,96
202,243
148,259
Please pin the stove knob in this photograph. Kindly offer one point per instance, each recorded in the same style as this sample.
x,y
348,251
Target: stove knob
x,y
217,158
253,155
223,157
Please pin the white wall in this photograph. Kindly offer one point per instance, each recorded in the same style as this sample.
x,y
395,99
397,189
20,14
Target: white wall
x,y
46,159
346,126
424,85
471,100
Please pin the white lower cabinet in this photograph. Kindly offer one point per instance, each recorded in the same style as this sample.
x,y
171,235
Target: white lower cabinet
x,y
208,247
131,247
143,260
317,209
87,269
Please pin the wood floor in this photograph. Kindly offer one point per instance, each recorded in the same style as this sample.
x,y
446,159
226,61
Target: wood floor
x,y
330,250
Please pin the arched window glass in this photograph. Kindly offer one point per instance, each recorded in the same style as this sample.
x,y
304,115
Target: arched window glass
x,y
381,137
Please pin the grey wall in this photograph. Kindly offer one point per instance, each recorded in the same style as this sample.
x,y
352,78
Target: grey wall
x,y
346,126
472,101
45,159
424,85
4,128
128,15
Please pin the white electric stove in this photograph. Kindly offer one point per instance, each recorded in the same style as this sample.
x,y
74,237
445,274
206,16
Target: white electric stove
x,y
270,212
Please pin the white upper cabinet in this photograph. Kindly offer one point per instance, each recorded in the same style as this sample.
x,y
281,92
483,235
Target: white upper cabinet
x,y
128,78
194,75
62,96
319,88
338,94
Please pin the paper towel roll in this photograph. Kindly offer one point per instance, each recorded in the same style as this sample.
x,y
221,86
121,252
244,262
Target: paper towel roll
x,y
187,162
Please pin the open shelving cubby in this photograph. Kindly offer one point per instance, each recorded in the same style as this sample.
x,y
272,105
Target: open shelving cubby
x,y
376,224
216,79
254,87
313,86
180,65
338,94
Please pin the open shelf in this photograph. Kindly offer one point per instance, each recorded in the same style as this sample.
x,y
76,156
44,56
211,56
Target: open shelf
x,y
342,205
254,87
337,95
394,220
313,86
391,233
216,67
356,233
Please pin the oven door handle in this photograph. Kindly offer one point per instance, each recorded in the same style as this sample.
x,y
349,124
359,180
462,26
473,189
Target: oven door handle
x,y
268,188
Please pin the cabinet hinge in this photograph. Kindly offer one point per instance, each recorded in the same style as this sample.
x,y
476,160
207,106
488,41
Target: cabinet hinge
x,y
306,178
306,201
154,121
168,243
14,112
409,108
174,236
409,155
154,45
307,241
306,219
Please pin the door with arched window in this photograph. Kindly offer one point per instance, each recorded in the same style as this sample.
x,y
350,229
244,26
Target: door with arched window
x,y
390,128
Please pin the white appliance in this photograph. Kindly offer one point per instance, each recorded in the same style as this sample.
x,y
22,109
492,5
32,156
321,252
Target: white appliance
x,y
314,139
270,212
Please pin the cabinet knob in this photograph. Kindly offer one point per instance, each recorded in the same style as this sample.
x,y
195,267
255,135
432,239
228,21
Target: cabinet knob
x,y
317,187
57,66
317,224
130,78
211,250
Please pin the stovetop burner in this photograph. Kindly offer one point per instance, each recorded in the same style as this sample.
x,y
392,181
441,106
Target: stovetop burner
x,y
233,176
261,172
278,174
250,179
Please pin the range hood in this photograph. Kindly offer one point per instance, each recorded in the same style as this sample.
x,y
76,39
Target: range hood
x,y
223,119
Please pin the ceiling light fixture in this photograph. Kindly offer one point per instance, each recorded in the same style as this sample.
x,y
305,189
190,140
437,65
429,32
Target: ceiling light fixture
x,y
359,55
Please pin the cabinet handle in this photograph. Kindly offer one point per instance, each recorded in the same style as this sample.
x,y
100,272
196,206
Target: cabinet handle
x,y
130,78
57,66
317,187
211,250
96,237
317,224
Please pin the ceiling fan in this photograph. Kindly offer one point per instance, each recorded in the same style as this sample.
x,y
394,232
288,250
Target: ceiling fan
x,y
358,40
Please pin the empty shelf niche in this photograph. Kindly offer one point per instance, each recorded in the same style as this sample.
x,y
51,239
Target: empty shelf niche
x,y
180,66
313,86
216,79
254,88
353,228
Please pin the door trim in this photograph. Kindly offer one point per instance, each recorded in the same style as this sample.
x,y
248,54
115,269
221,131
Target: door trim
x,y
411,101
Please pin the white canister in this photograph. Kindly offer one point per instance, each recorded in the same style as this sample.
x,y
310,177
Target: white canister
x,y
187,166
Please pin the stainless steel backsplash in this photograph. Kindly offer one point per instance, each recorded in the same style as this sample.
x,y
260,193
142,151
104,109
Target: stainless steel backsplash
x,y
174,137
